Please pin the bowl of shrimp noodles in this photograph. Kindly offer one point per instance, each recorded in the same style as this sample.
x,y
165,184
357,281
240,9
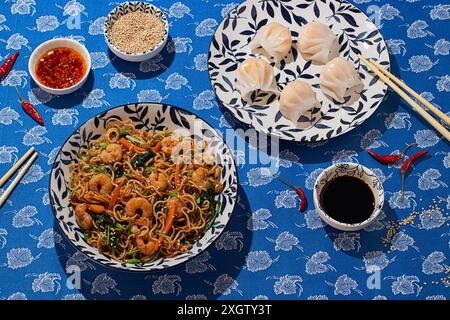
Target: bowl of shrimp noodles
x,y
143,187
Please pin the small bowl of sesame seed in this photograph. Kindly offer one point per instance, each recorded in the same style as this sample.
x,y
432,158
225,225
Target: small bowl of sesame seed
x,y
136,31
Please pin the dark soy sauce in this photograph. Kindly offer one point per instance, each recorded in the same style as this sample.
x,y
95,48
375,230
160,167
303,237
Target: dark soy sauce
x,y
347,199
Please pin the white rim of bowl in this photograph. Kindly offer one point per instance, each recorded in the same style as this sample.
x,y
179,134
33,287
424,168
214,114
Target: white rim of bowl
x,y
86,55
163,20
355,226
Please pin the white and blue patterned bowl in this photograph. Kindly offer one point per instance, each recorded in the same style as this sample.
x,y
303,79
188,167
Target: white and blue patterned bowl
x,y
356,33
146,116
128,7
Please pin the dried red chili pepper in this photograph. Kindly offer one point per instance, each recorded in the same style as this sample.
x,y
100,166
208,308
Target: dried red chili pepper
x,y
30,109
390,158
299,191
407,164
5,68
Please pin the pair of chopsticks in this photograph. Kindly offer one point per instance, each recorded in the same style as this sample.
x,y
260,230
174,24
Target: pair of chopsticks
x,y
19,176
394,83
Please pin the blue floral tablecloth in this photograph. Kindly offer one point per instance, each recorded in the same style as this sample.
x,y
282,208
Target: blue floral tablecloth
x,y
269,249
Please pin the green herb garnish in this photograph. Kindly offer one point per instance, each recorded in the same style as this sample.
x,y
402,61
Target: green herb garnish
x,y
103,145
173,193
141,159
95,167
133,261
162,235
148,170
134,140
122,132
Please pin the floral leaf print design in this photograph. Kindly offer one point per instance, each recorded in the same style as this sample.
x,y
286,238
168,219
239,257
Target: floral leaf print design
x,y
34,136
38,96
226,8
377,224
152,65
2,25
3,234
258,260
402,241
17,296
379,297
433,263
287,158
421,63
96,27
313,220
24,217
178,10
398,120
47,239
167,284
8,154
371,140
396,46
396,201
206,28
224,284
443,84
8,115
445,161
122,80
103,283
317,263
311,178
375,261
440,12
176,81
23,7
204,101
259,176
406,285
345,156
441,47
257,221
388,12
94,99
285,242
180,45
73,296
80,260
196,297
34,174
73,8
286,199
287,284
46,282
138,297
345,285
47,23
65,117
347,241
380,174
201,62
426,138
16,41
318,297
418,29
230,240
99,60
261,297
150,95
436,297
16,78
52,155
431,219
199,264
20,257
429,180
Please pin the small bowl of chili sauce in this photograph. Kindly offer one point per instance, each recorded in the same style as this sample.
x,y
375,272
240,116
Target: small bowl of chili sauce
x,y
60,66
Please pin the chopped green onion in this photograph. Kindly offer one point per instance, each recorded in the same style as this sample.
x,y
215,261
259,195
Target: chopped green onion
x,y
107,236
190,173
86,236
134,140
103,145
128,230
133,261
163,235
119,226
95,167
173,193
146,193
82,155
122,132
148,170
135,250
215,208
128,175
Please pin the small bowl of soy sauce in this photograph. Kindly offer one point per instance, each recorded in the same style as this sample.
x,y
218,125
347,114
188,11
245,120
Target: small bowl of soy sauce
x,y
348,196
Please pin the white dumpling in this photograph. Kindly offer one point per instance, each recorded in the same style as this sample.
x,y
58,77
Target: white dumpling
x,y
297,99
275,39
318,43
255,74
339,79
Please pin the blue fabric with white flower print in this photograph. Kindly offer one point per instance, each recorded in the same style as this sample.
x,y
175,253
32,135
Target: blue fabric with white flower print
x,y
269,249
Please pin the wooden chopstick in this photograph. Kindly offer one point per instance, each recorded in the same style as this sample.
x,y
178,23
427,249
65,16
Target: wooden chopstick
x,y
423,101
439,127
16,166
17,179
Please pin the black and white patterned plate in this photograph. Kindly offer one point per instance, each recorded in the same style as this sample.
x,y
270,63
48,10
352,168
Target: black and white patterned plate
x,y
146,116
357,35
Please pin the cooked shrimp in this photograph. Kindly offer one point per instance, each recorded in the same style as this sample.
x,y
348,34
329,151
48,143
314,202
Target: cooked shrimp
x,y
159,181
139,206
167,144
200,178
112,153
179,203
146,245
83,218
101,183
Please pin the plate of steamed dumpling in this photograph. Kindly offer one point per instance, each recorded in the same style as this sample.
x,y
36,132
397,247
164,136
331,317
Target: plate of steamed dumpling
x,y
291,68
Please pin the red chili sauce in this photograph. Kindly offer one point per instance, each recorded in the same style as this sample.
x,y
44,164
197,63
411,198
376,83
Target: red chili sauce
x,y
60,68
